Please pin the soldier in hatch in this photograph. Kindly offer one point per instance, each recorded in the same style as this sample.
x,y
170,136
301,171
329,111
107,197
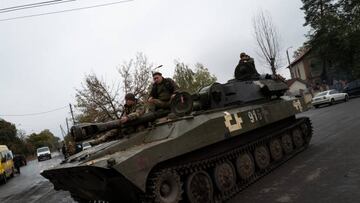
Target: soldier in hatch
x,y
246,70
162,91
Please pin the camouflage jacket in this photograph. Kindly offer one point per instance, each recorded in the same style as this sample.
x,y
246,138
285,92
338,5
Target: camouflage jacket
x,y
135,111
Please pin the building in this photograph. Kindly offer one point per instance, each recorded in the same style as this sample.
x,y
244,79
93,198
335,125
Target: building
x,y
317,74
297,86
308,68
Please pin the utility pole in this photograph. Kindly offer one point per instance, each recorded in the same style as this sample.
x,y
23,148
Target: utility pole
x,y
67,125
72,114
62,132
64,149
288,58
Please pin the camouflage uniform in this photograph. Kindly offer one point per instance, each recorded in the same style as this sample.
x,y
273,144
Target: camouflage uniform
x,y
162,94
135,111
132,112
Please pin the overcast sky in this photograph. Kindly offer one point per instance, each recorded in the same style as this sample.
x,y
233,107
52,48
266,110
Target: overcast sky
x,y
43,59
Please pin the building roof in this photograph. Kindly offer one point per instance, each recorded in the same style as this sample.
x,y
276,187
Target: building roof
x,y
299,58
292,81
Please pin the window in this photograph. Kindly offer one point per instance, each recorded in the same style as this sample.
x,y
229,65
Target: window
x,y
322,94
333,92
43,149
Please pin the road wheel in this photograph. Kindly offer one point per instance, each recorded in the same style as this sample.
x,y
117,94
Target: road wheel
x,y
297,137
275,149
307,131
168,187
332,101
245,166
262,157
346,98
199,187
286,143
224,176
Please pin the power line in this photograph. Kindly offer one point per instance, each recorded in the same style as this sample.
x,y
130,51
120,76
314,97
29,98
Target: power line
x,y
31,5
64,11
35,5
36,114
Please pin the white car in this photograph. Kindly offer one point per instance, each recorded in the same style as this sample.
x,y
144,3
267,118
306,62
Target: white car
x,y
85,145
329,97
43,153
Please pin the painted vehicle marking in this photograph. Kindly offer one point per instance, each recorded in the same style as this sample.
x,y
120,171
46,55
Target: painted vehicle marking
x,y
297,105
238,121
255,115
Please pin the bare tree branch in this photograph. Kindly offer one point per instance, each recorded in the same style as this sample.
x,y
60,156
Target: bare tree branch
x,y
267,39
136,75
97,101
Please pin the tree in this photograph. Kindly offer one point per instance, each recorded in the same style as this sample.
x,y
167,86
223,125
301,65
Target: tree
x,y
97,101
136,75
191,81
44,138
334,34
15,139
301,50
9,137
267,39
7,132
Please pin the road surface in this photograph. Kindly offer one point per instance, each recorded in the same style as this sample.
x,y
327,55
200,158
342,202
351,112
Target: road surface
x,y
328,171
31,187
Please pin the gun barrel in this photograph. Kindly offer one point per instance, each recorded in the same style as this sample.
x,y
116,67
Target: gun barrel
x,y
88,130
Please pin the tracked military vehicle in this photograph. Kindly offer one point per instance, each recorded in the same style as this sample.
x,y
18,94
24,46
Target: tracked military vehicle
x,y
216,143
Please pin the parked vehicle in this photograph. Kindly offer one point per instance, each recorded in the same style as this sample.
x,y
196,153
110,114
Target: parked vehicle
x,y
6,164
353,88
329,97
43,153
85,145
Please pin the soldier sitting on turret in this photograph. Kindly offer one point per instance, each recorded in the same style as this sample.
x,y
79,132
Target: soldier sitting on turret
x,y
246,70
133,109
162,91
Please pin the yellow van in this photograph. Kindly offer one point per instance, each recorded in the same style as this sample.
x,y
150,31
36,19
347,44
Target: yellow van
x,y
6,164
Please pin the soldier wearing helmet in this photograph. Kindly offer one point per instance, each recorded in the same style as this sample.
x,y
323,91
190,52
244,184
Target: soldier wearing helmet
x,y
246,70
133,109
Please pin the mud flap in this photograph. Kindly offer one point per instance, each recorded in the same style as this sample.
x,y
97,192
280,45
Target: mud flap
x,y
93,183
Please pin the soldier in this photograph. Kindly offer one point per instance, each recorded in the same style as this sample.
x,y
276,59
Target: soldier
x,y
163,90
246,70
133,109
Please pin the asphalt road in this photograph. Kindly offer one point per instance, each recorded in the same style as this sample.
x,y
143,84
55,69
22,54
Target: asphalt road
x,y
31,187
328,171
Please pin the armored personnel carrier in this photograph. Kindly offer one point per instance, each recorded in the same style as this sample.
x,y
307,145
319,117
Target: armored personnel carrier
x,y
220,140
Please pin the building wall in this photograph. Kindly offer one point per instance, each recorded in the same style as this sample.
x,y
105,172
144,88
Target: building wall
x,y
298,71
296,87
